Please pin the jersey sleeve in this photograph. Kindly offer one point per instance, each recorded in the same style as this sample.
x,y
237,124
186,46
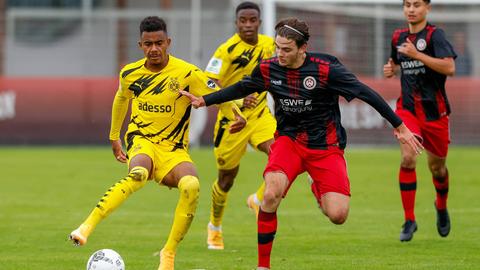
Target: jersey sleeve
x,y
218,64
344,83
199,85
256,82
441,47
119,110
248,85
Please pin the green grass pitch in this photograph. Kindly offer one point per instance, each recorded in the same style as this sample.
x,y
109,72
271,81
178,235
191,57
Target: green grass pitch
x,y
46,192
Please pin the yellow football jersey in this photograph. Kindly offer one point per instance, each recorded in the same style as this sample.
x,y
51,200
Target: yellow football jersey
x,y
235,59
158,111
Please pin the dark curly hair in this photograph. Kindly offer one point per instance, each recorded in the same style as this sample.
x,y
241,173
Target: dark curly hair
x,y
293,28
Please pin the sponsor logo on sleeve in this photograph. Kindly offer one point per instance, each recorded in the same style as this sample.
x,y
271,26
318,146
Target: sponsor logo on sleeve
x,y
211,84
214,65
276,82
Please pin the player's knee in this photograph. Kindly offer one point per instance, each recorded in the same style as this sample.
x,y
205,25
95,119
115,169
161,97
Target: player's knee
x,y
139,175
225,183
409,161
339,216
438,170
271,199
337,212
189,186
226,179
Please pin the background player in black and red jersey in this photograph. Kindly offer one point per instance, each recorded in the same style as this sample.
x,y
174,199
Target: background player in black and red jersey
x,y
306,88
425,59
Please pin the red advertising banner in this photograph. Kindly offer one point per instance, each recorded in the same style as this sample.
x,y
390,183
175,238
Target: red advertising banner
x,y
77,111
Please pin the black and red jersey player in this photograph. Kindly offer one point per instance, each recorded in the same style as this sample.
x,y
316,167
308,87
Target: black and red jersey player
x,y
306,88
425,59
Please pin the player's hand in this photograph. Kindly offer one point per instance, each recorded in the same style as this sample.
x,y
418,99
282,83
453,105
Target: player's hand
x,y
389,69
196,102
408,49
250,101
239,123
405,136
118,151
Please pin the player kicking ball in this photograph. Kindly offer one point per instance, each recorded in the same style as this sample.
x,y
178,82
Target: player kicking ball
x,y
157,135
306,87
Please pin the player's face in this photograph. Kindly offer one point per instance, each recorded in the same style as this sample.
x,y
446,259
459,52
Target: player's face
x,y
287,52
247,22
415,11
154,46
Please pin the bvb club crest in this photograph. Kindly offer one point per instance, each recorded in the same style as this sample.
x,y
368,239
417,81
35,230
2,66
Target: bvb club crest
x,y
173,85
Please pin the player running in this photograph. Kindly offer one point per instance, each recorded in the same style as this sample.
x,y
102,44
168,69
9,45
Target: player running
x,y
425,59
231,62
306,87
157,135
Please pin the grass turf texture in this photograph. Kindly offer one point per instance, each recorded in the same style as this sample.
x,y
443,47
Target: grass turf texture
x,y
47,191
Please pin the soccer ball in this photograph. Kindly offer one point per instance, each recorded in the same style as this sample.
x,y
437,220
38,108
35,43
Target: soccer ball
x,y
105,259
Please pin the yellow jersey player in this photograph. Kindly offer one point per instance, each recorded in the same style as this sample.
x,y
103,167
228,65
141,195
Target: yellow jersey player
x,y
232,61
157,135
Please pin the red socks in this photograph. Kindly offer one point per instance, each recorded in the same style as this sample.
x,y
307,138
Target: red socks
x,y
441,186
267,227
408,188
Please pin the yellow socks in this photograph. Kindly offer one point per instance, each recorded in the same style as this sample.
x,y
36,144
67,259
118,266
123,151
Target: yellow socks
x,y
189,188
260,192
219,201
114,197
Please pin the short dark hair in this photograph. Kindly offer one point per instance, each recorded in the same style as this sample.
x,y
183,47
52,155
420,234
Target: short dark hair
x,y
247,5
293,28
153,24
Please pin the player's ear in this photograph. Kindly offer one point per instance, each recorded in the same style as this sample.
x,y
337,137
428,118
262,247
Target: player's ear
x,y
140,44
303,48
169,40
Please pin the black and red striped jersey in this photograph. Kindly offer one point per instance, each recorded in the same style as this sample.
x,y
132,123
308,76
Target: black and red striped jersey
x,y
306,98
423,89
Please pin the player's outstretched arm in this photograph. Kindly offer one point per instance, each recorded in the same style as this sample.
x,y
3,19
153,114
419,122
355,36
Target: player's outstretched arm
x,y
197,102
405,136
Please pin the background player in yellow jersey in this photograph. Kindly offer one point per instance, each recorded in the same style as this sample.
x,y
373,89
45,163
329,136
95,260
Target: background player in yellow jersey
x,y
231,62
157,135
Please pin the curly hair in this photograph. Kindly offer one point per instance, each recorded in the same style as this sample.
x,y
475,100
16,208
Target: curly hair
x,y
294,29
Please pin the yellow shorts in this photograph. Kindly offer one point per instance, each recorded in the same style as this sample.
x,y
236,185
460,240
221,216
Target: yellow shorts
x,y
229,148
163,158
